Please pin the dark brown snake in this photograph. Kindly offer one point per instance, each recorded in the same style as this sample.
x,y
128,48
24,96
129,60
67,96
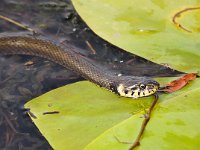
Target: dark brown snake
x,y
128,86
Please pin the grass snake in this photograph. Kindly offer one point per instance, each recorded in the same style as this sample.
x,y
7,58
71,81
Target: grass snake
x,y
127,86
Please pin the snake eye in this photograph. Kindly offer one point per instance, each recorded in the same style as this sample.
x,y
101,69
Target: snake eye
x,y
142,86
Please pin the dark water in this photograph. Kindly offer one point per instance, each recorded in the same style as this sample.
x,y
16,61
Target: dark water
x,y
20,83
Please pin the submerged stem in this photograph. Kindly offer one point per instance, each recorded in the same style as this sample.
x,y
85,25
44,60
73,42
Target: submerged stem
x,y
144,123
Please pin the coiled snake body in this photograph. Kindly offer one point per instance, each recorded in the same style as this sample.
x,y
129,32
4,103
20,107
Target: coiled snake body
x,y
128,86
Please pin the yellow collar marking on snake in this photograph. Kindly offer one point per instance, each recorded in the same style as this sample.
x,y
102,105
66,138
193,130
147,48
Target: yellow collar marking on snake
x,y
136,93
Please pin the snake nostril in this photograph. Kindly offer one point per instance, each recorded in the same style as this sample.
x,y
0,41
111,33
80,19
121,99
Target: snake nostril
x,y
126,91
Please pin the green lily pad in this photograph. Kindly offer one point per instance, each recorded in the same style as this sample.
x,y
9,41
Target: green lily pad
x,y
146,28
92,117
85,111
173,125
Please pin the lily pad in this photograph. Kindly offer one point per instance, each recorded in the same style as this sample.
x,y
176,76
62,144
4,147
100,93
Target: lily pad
x,y
146,28
173,125
94,118
83,112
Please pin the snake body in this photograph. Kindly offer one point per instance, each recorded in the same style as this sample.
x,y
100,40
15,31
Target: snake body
x,y
128,86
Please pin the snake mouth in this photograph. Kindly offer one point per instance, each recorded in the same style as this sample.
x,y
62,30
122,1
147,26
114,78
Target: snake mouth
x,y
137,91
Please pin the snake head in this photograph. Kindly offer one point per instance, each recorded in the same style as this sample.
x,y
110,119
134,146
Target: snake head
x,y
136,87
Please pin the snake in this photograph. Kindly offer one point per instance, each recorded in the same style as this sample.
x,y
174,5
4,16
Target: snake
x,y
125,85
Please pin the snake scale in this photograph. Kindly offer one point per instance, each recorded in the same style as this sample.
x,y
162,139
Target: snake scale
x,y
127,86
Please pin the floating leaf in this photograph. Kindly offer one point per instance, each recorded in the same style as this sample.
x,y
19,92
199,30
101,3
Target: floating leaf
x,y
173,125
179,83
146,28
83,111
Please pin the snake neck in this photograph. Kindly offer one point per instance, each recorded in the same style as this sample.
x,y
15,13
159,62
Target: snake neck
x,y
35,46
